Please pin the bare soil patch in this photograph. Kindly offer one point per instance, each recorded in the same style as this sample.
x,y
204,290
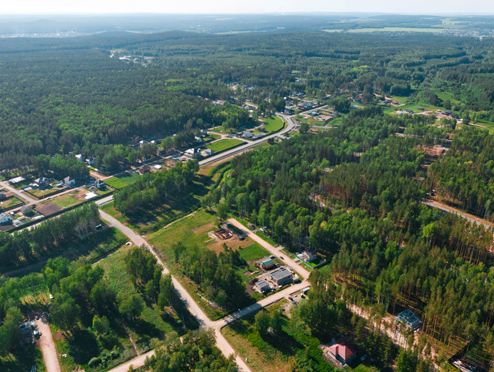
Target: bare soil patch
x,y
233,243
204,228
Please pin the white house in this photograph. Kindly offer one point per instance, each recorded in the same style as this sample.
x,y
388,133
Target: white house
x,y
5,218
69,181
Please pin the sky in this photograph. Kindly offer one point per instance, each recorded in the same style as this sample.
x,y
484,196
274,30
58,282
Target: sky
x,y
249,7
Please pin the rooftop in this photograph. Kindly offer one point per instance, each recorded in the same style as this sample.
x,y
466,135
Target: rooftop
x,y
342,349
281,273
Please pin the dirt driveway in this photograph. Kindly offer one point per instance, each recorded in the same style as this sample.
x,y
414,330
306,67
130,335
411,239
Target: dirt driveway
x,y
47,345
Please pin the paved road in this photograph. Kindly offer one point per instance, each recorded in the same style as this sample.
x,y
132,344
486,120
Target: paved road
x,y
254,308
276,251
290,125
16,192
47,345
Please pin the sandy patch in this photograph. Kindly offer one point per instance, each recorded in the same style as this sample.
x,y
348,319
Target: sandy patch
x,y
204,228
233,243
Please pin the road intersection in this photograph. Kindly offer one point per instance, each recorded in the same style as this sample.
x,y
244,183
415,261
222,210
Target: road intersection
x,y
194,308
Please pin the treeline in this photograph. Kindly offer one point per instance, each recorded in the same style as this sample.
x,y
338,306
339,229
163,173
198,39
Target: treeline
x,y
465,176
60,167
31,245
195,351
215,274
153,189
147,276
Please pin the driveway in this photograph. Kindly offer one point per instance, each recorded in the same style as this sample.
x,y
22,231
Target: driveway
x,y
275,251
47,345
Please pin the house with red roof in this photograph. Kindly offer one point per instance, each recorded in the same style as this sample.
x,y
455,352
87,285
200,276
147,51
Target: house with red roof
x,y
342,352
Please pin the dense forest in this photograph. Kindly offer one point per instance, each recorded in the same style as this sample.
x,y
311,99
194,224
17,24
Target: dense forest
x,y
96,102
49,238
363,212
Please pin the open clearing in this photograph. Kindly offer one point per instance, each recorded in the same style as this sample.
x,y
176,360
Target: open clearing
x,y
274,124
224,145
122,180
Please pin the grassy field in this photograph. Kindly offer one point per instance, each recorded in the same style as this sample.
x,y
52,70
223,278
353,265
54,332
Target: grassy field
x,y
275,352
224,145
274,124
253,252
40,193
211,137
486,124
67,200
122,180
152,220
154,324
10,202
193,231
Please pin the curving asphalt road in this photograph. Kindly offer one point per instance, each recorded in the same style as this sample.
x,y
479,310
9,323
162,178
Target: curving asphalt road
x,y
290,125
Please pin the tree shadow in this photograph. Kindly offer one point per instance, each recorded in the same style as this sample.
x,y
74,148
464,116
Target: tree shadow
x,y
83,346
284,342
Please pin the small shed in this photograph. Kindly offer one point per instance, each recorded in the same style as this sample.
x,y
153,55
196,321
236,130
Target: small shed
x,y
267,264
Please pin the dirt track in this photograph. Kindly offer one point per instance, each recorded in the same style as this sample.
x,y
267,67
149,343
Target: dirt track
x,y
47,345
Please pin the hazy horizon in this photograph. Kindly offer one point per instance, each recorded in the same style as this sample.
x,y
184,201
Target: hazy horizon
x,y
217,7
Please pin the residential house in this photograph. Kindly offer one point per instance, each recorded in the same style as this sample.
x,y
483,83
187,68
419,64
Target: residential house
x,y
27,210
267,264
308,255
281,276
409,319
198,139
42,183
288,112
208,152
100,184
144,169
3,196
5,219
246,134
69,181
192,153
90,162
262,286
79,157
342,352
16,180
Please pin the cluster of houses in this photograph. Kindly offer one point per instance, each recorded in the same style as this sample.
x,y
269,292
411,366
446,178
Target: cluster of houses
x,y
276,278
